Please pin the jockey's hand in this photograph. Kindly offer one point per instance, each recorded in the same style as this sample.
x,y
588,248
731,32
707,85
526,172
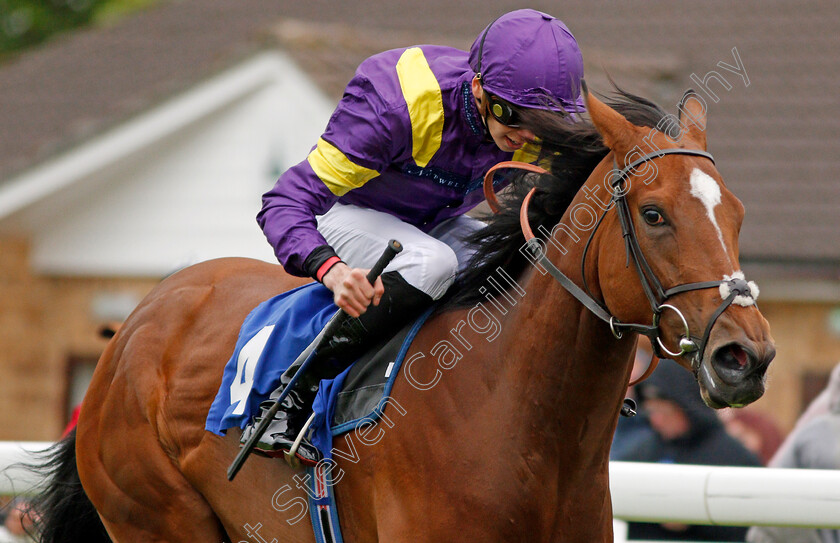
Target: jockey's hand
x,y
351,290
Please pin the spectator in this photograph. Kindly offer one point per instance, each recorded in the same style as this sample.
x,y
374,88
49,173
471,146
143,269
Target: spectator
x,y
755,430
17,519
813,444
685,431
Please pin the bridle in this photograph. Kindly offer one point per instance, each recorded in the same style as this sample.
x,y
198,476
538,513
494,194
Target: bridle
x,y
733,289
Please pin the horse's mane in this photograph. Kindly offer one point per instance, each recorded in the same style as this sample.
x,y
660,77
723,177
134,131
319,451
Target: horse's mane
x,y
571,150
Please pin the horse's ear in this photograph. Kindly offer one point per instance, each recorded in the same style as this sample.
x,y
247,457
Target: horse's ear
x,y
693,116
619,134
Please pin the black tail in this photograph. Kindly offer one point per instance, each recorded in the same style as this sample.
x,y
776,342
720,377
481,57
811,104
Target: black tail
x,y
62,512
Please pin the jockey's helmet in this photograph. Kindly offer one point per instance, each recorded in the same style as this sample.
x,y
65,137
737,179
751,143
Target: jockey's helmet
x,y
531,60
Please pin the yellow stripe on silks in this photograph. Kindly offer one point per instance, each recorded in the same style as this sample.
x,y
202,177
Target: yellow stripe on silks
x,y
338,172
425,104
529,153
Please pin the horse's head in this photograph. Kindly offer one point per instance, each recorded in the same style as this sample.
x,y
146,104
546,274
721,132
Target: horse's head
x,y
680,229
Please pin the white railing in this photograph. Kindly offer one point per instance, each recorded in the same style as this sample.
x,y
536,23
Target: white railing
x,y
728,496
723,495
643,492
15,479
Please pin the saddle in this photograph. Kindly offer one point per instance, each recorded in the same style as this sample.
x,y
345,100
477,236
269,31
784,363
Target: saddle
x,y
271,338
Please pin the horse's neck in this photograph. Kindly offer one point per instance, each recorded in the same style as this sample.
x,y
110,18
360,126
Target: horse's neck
x,y
558,400
571,370
566,371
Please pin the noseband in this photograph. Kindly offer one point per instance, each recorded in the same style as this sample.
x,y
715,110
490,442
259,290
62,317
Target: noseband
x,y
733,289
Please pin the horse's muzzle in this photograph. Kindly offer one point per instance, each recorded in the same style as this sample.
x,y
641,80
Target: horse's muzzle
x,y
734,374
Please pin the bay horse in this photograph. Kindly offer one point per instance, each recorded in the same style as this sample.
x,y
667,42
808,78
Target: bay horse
x,y
503,430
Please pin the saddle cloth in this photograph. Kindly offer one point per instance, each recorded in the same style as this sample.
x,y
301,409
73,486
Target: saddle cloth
x,y
270,339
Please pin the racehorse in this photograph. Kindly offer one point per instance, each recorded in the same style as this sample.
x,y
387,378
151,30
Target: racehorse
x,y
502,421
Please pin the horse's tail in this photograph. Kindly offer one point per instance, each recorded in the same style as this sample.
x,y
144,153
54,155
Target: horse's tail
x,y
62,511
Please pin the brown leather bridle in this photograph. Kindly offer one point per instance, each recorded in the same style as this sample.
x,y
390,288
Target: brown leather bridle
x,y
656,294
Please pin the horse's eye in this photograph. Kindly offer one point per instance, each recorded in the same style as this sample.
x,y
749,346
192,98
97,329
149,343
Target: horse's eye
x,y
653,217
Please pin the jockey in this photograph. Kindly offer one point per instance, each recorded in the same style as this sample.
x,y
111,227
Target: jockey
x,y
403,157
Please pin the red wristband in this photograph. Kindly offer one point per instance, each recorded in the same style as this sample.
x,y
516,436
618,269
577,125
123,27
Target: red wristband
x,y
326,266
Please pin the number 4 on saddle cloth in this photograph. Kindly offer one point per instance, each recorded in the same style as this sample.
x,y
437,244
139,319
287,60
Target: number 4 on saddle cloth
x,y
270,339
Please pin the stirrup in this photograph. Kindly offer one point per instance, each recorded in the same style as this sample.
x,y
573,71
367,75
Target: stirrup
x,y
290,456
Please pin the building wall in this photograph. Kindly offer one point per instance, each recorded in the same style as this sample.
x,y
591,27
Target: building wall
x,y
804,345
44,322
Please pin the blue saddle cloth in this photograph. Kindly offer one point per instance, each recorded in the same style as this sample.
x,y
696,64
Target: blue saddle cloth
x,y
272,337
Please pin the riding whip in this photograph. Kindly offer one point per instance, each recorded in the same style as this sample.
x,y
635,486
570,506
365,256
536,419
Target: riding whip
x,y
307,356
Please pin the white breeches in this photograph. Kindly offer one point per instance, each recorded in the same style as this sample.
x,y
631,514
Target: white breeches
x,y
428,262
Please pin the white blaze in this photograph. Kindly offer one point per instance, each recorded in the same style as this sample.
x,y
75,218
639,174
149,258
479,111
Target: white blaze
x,y
707,190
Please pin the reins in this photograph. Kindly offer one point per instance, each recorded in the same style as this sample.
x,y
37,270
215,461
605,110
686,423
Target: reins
x,y
658,296
490,193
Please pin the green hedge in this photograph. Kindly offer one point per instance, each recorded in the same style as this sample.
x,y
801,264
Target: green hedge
x,y
24,23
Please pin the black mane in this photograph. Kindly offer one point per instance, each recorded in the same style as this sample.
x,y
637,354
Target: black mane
x,y
572,150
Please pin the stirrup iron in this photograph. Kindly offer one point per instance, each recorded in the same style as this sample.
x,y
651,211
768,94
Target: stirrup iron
x,y
290,456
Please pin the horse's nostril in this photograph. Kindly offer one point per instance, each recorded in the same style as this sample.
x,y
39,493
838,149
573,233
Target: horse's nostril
x,y
732,362
734,357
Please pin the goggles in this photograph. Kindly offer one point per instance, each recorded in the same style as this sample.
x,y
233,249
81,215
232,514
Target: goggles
x,y
503,111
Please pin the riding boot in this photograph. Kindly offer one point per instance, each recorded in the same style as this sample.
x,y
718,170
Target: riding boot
x,y
282,432
400,303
